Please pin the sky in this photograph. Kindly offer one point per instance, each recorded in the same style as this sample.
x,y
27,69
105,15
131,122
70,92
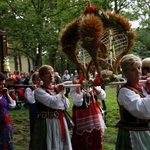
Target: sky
x,y
135,24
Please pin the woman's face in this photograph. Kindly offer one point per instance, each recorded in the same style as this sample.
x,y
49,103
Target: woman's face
x,y
134,73
37,80
2,85
48,77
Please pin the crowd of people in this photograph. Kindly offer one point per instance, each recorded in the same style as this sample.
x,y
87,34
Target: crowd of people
x,y
48,98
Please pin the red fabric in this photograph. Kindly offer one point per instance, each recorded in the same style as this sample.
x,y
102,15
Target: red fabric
x,y
21,93
12,94
97,81
91,9
61,115
86,115
7,119
87,138
139,88
87,141
80,80
16,79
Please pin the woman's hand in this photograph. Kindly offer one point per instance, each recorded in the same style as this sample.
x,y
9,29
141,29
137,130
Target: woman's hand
x,y
75,81
60,88
78,89
96,90
5,91
34,86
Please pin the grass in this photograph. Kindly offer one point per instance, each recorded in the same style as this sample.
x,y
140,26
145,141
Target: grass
x,y
21,123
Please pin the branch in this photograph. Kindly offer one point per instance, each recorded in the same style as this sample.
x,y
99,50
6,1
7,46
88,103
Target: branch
x,y
22,51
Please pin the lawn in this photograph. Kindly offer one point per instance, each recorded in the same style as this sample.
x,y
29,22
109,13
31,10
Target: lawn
x,y
21,123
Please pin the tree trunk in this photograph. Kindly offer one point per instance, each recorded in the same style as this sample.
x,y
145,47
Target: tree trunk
x,y
15,62
20,63
115,6
29,65
38,59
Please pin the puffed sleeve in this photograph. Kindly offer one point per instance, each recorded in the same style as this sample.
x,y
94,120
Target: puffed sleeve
x,y
77,98
29,95
137,106
144,91
102,94
12,105
53,101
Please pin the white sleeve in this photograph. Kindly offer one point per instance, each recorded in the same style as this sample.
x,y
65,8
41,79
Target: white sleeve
x,y
102,94
77,98
13,105
29,95
144,91
53,101
137,106
66,103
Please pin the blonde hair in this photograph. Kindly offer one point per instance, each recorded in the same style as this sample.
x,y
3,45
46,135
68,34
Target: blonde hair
x,y
44,69
146,63
128,61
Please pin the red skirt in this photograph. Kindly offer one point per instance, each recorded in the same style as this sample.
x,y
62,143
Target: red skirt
x,y
87,141
87,133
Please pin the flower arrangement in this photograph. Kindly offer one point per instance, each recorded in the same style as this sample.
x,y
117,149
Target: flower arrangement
x,y
6,64
97,81
91,9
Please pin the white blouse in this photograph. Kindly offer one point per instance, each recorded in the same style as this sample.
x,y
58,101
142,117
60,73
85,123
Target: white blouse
x,y
137,106
12,105
78,98
54,101
29,95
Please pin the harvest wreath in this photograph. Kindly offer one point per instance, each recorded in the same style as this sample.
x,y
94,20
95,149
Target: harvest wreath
x,y
96,41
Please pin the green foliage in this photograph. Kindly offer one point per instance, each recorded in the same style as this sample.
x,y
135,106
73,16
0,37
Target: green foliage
x,y
141,46
38,24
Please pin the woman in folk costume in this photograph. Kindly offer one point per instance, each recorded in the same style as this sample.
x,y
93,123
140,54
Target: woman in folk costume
x,y
87,117
134,104
29,95
50,130
6,102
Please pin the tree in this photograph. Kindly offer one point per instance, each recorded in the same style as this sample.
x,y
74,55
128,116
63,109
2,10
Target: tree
x,y
141,12
34,27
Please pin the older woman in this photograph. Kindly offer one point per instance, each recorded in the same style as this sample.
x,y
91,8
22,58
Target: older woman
x,y
50,130
134,104
6,102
